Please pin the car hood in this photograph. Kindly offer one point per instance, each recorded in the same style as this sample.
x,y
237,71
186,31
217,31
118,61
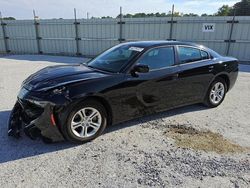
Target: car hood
x,y
55,76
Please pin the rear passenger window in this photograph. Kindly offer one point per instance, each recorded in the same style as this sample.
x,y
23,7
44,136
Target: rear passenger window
x,y
204,55
188,54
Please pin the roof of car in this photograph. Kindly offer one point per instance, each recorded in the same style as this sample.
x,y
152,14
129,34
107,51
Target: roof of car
x,y
152,44
146,44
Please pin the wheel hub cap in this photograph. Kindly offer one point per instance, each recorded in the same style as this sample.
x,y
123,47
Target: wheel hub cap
x,y
217,93
86,122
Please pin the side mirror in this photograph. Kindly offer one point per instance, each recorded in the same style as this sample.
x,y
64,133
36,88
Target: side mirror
x,y
141,68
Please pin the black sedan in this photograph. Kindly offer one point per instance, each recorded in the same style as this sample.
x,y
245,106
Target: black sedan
x,y
77,102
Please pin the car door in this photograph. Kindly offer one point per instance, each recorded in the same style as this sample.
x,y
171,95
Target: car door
x,y
156,90
196,72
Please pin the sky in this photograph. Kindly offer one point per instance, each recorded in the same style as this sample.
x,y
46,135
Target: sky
x,y
45,9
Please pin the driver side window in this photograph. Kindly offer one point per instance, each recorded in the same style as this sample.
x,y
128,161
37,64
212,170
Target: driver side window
x,y
158,58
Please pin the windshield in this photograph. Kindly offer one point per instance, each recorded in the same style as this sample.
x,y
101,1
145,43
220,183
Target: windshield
x,y
115,58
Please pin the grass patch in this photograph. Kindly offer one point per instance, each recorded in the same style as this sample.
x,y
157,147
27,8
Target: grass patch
x,y
187,137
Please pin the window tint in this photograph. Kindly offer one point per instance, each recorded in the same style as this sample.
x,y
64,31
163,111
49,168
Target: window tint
x,y
114,59
204,55
158,58
187,54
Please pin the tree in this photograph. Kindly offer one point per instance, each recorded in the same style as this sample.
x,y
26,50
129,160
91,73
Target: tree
x,y
177,14
128,16
225,10
139,15
204,15
242,8
9,18
190,14
144,15
106,17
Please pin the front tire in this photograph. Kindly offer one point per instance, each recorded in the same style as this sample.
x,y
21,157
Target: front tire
x,y
85,122
216,93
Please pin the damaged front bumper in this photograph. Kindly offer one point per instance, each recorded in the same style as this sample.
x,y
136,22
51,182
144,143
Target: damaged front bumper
x,y
34,120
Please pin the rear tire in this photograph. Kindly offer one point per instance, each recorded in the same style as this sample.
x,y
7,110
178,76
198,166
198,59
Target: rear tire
x,y
85,122
216,93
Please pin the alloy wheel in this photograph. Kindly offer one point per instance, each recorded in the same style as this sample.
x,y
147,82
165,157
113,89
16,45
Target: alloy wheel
x,y
217,93
86,122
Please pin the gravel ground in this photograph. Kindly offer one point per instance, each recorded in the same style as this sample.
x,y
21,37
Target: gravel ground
x,y
133,154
